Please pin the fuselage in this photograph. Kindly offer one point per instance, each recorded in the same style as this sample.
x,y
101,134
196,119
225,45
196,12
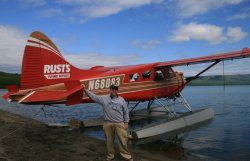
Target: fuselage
x,y
136,83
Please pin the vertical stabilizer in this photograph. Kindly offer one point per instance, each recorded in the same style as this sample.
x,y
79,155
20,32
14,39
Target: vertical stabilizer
x,y
43,64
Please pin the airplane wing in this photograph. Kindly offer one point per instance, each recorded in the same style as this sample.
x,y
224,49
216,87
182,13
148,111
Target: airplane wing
x,y
245,52
72,95
204,59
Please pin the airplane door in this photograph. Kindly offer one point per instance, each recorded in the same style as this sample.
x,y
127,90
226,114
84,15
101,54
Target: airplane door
x,y
161,76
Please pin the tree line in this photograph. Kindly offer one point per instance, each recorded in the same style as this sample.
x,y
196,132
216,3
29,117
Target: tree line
x,y
14,79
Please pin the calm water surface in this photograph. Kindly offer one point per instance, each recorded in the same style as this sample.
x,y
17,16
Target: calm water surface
x,y
226,138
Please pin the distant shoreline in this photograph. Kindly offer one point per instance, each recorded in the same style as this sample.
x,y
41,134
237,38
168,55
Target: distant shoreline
x,y
219,80
215,80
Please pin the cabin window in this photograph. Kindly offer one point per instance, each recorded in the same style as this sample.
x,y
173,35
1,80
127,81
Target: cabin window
x,y
146,74
133,77
158,75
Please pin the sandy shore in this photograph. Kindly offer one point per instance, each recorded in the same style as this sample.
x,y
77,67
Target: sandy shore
x,y
24,139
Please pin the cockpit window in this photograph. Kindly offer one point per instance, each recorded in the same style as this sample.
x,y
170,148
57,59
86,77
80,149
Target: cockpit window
x,y
171,73
146,74
133,77
158,75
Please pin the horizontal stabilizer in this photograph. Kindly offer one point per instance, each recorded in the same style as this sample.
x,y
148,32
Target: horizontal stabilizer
x,y
11,89
73,95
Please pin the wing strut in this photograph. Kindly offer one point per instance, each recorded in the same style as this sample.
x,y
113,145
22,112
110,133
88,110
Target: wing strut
x,y
189,79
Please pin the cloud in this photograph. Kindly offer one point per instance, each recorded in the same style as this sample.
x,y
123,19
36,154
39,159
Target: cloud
x,y
235,34
238,16
31,3
89,9
189,8
211,33
51,12
81,10
151,44
242,13
12,45
34,2
13,41
87,60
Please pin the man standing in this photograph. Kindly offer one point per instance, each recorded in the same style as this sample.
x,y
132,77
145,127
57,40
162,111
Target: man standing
x,y
116,118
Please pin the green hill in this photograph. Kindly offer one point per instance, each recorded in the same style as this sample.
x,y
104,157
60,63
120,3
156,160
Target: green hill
x,y
9,79
219,80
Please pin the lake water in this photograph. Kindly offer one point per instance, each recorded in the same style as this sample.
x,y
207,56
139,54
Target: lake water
x,y
226,138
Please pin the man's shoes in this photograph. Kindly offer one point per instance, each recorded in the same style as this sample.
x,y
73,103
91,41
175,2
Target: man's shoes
x,y
131,159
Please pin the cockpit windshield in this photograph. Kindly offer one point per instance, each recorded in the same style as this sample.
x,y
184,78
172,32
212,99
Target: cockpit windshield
x,y
163,73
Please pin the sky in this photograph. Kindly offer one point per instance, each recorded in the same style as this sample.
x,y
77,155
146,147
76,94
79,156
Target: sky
x,y
128,32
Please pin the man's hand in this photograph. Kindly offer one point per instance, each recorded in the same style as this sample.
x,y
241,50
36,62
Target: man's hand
x,y
125,125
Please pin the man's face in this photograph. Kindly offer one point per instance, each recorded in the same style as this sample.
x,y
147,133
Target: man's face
x,y
113,92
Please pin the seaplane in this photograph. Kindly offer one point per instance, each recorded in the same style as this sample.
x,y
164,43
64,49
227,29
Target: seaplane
x,y
48,79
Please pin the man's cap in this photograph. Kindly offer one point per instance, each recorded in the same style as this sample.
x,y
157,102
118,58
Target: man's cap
x,y
113,87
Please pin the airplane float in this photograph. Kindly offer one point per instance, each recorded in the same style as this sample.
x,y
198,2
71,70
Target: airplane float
x,y
47,78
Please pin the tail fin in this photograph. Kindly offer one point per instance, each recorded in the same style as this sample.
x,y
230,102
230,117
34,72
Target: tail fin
x,y
43,64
